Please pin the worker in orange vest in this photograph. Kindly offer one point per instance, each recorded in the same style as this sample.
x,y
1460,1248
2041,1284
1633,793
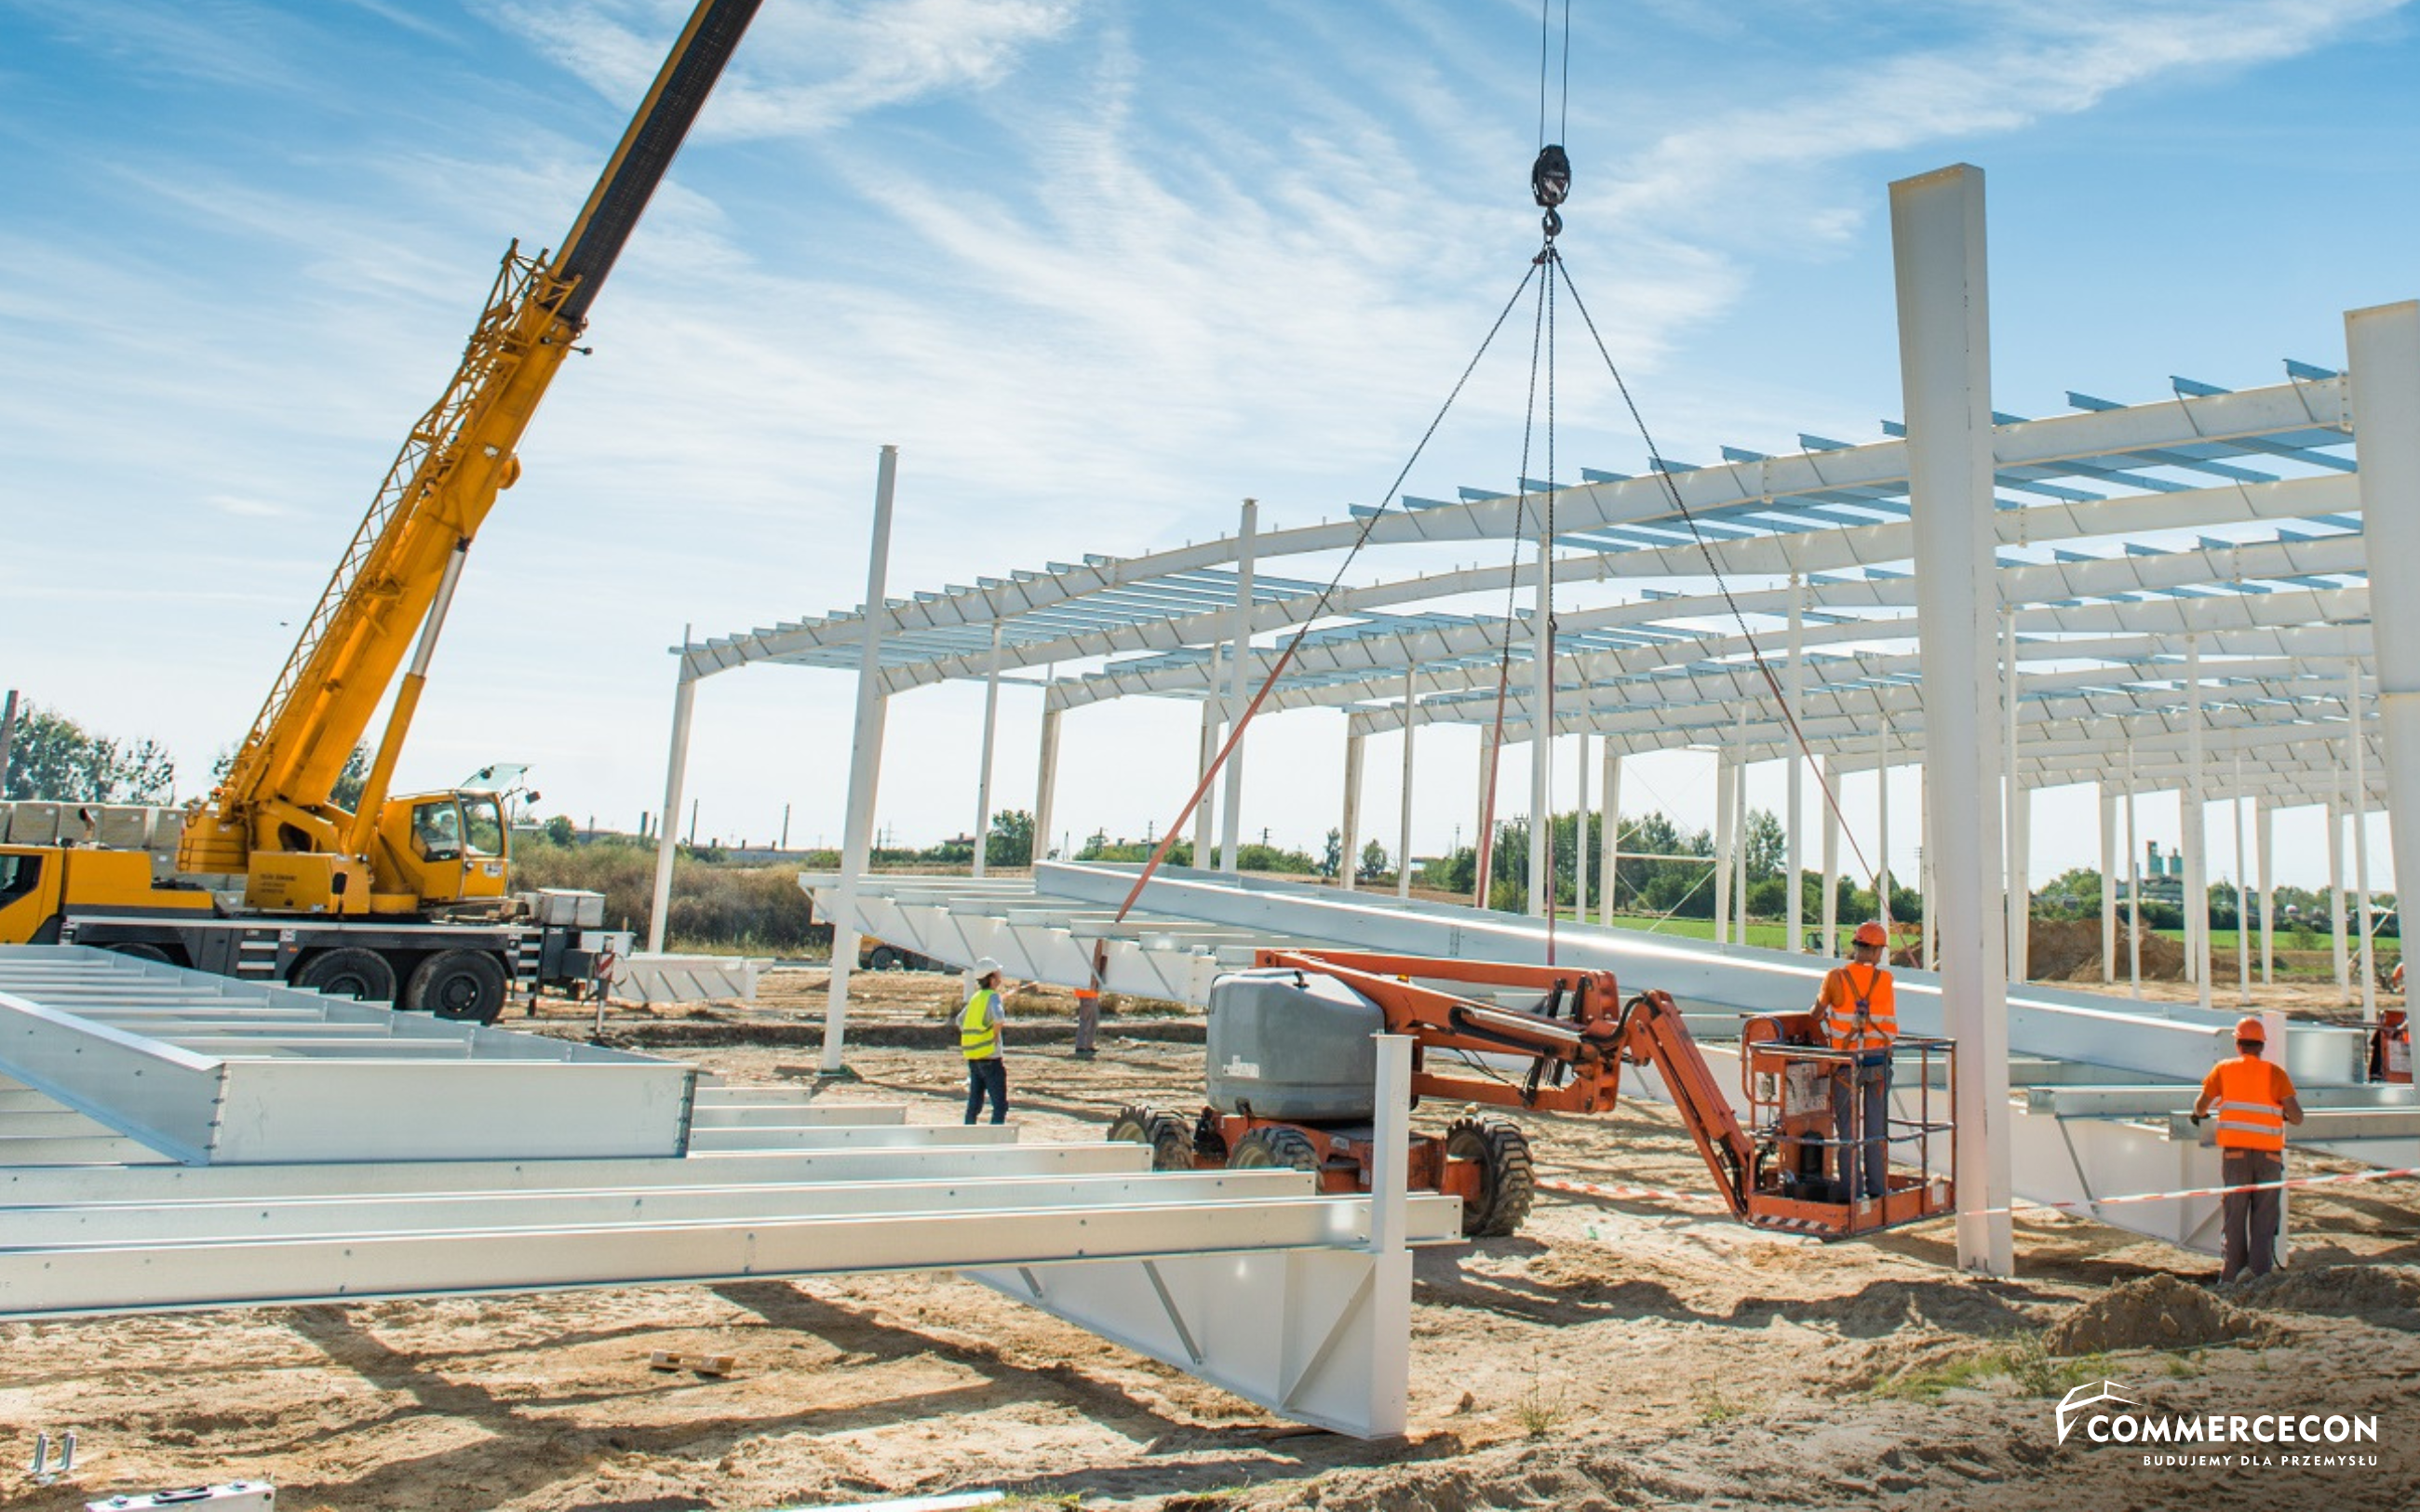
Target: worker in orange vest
x,y
1857,1010
2254,1100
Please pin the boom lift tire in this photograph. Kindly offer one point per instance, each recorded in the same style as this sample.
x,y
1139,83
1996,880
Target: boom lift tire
x,y
462,985
1171,1139
348,971
1507,1184
1274,1147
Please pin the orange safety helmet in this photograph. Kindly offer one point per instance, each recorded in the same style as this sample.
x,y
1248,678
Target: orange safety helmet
x,y
2252,1030
1871,932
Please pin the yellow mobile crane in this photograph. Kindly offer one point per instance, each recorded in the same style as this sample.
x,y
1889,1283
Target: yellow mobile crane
x,y
405,890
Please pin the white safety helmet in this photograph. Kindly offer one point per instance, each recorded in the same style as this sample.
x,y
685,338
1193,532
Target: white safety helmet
x,y
987,967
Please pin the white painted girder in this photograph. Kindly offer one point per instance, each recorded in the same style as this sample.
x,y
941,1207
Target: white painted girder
x,y
1381,656
2194,421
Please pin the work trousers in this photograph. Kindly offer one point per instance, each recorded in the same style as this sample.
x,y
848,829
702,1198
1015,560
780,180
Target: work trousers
x,y
988,1077
1088,1023
2251,1217
1861,1123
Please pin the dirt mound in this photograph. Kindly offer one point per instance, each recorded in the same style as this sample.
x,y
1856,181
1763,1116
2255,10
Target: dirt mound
x,y
2070,951
2156,1312
2386,1295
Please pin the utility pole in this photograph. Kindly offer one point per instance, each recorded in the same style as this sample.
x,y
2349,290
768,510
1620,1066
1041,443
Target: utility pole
x,y
692,824
785,827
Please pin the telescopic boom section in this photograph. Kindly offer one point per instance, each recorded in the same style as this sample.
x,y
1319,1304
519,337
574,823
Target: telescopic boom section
x,y
276,793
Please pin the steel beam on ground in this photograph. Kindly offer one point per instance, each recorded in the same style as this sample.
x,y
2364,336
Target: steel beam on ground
x,y
352,1268
313,1091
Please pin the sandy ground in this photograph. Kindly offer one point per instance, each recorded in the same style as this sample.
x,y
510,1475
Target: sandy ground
x,y
1615,1355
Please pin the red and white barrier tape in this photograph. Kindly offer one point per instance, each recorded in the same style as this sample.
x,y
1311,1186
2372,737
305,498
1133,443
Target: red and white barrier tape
x,y
1637,1193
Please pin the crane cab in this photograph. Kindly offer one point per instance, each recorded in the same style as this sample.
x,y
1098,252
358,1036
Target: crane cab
x,y
440,848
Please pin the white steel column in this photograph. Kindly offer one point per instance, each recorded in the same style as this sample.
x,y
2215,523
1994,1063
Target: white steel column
x,y
1348,854
1046,779
2383,345
1403,829
2263,831
991,729
1795,905
1724,825
2242,909
2133,884
1483,843
1231,831
1541,743
1882,828
1208,810
1739,832
675,772
1945,362
864,766
1925,885
1580,817
2364,925
2021,897
2015,820
1612,828
2108,881
2339,942
1831,775
2195,826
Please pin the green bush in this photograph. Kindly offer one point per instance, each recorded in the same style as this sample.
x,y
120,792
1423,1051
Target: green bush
x,y
750,908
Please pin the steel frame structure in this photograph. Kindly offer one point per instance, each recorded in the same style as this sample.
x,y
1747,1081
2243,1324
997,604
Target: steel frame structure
x,y
2123,589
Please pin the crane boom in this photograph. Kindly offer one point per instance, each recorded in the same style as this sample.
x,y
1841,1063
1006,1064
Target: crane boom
x,y
275,800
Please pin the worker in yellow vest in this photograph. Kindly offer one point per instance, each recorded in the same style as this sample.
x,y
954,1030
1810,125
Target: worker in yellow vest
x,y
1857,1012
2254,1100
979,1024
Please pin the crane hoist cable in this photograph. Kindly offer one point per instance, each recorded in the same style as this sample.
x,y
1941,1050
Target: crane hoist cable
x,y
1319,608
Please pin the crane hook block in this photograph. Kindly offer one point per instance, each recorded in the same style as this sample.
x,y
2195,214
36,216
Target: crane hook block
x,y
1550,177
1550,184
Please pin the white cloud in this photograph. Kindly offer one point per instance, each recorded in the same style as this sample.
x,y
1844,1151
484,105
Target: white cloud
x,y
805,68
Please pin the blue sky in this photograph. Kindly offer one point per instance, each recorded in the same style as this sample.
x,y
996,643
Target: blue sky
x,y
1100,270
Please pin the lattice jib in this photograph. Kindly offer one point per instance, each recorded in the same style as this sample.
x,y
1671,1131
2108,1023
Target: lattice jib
x,y
424,458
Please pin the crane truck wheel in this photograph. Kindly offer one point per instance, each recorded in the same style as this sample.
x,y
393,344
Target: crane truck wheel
x,y
457,984
141,952
1274,1147
1507,1185
348,971
1170,1138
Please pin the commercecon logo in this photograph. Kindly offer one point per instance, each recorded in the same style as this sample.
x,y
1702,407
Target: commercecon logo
x,y
2099,1412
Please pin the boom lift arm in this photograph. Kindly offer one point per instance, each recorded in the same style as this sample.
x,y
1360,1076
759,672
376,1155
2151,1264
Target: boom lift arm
x,y
1769,1167
273,817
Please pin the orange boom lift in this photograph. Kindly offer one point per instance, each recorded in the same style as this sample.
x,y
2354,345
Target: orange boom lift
x,y
1292,1056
